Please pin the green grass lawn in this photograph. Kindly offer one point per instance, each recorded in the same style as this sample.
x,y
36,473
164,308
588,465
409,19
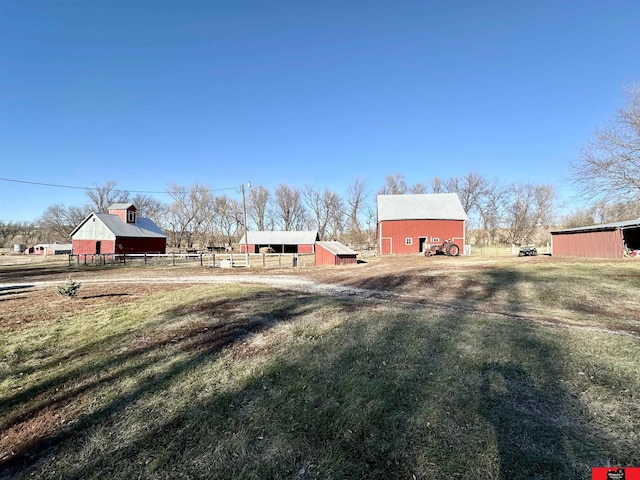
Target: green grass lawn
x,y
250,382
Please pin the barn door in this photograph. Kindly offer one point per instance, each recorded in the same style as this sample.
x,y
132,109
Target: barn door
x,y
98,247
423,244
385,246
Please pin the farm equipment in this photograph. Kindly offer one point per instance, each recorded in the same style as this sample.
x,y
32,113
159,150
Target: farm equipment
x,y
528,251
446,248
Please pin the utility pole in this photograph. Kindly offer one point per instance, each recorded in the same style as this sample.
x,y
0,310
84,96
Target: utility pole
x,y
244,214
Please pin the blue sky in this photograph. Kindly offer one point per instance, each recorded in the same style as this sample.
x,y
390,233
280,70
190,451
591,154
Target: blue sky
x,y
145,93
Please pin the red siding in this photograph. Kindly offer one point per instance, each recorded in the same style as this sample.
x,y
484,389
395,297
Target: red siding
x,y
325,257
305,248
88,247
123,214
392,234
606,244
121,245
141,245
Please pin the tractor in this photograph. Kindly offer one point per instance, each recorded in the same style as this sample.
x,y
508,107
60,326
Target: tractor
x,y
447,248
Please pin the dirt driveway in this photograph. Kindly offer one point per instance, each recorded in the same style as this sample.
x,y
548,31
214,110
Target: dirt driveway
x,y
425,282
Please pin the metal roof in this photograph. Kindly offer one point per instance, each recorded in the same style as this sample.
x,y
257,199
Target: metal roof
x,y
336,248
262,237
143,228
426,206
601,227
121,206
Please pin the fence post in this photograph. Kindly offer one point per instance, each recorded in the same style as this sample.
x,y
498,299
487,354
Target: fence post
x,y
200,259
173,258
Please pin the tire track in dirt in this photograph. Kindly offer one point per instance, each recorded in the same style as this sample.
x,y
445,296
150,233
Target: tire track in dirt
x,y
309,286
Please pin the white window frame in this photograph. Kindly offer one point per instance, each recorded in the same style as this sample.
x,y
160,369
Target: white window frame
x,y
408,241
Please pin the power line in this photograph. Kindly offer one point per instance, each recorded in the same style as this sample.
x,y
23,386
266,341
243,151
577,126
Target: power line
x,y
76,187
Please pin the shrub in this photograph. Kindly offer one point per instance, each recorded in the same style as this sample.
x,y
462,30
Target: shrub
x,y
69,289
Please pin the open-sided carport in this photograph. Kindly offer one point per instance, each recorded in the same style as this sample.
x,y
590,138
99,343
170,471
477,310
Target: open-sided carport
x,y
609,240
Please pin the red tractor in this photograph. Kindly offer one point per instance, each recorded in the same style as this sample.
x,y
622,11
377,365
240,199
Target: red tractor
x,y
447,248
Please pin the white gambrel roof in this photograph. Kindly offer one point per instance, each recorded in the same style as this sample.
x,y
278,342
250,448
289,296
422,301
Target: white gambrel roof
x,y
262,237
426,206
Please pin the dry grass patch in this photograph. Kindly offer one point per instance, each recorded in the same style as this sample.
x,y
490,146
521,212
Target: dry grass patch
x,y
238,381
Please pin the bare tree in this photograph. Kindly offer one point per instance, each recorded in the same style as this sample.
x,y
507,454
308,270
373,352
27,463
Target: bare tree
x,y
579,218
326,209
470,189
529,206
491,207
418,188
356,202
58,221
149,207
27,232
258,206
609,166
229,217
103,196
394,185
288,205
437,185
8,230
187,216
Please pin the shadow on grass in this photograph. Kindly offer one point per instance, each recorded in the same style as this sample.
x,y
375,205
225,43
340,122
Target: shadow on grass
x,y
203,343
388,392
105,295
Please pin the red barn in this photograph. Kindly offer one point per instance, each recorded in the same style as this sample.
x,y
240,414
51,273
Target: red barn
x,y
334,253
609,240
410,223
119,231
281,242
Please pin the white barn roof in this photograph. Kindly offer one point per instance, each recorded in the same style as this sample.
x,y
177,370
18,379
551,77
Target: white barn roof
x,y
336,248
262,237
427,206
143,228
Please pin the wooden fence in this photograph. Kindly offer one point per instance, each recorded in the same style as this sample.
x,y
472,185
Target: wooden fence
x,y
219,260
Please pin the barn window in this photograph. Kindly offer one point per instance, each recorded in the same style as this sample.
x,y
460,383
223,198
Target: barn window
x,y
408,241
435,240
131,216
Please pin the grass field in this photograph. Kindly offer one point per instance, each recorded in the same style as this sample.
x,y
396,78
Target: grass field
x,y
472,369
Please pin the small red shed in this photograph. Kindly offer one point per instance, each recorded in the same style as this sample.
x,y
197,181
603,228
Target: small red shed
x,y
280,241
410,223
119,231
334,253
609,240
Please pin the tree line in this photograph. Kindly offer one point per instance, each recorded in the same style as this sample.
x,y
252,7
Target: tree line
x,y
607,175
197,215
